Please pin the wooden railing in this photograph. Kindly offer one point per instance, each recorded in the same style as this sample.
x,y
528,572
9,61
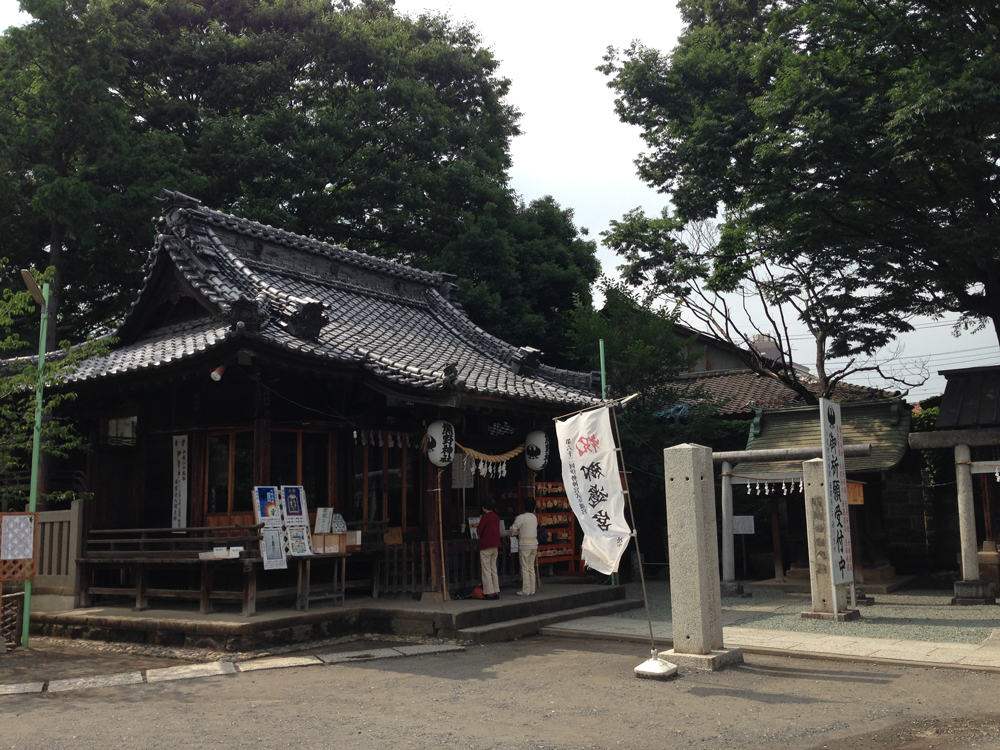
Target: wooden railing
x,y
60,534
407,566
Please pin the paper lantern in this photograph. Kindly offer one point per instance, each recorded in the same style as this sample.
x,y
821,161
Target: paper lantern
x,y
441,443
536,450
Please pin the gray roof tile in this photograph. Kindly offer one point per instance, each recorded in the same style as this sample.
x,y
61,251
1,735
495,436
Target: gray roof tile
x,y
396,322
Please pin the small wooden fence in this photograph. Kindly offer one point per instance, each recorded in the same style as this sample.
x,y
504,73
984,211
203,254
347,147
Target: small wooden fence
x,y
60,534
11,612
407,567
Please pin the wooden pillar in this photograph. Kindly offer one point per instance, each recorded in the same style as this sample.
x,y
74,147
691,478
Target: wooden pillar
x,y
197,484
779,562
262,451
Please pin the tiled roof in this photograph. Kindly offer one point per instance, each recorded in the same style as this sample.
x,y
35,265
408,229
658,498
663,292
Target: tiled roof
x,y
971,399
736,391
885,424
401,324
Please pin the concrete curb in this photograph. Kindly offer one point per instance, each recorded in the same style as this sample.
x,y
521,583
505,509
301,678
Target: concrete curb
x,y
556,631
222,668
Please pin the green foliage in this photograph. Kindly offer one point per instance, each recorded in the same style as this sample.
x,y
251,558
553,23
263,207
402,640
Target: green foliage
x,y
642,352
18,388
344,121
940,462
520,275
860,137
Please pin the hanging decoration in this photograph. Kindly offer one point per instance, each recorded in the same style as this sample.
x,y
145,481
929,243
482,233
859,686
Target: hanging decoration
x,y
536,450
441,443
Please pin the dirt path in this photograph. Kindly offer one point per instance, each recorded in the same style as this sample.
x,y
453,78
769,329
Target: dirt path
x,y
535,693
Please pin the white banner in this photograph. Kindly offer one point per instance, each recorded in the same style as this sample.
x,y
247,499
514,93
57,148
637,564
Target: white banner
x,y
837,509
178,516
593,486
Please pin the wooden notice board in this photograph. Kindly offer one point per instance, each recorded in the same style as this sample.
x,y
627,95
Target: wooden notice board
x,y
18,546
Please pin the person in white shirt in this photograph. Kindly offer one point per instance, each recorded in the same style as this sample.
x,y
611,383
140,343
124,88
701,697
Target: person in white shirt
x,y
525,528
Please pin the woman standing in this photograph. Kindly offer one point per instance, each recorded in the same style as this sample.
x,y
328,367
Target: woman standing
x,y
489,547
525,528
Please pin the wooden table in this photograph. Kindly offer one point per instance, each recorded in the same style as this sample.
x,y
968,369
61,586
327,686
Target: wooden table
x,y
333,590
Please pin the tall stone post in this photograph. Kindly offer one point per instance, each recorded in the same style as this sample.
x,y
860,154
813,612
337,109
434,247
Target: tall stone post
x,y
970,590
728,556
695,598
966,513
824,606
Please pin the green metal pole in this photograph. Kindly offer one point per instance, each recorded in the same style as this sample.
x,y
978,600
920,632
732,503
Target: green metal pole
x,y
36,447
604,378
604,395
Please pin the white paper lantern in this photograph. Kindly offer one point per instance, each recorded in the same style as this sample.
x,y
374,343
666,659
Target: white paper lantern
x,y
441,443
536,450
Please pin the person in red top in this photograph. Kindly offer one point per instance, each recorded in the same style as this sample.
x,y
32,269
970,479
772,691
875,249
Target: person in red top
x,y
489,548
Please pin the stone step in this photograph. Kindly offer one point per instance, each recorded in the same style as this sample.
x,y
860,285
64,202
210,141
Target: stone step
x,y
508,630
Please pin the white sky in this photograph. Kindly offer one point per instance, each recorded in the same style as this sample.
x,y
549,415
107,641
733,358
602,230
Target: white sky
x,y
574,148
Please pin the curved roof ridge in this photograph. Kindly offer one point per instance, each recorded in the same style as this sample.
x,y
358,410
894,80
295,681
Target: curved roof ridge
x,y
193,207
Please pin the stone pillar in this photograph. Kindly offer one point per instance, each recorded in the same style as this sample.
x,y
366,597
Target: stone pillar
x,y
695,598
818,534
728,557
966,513
970,590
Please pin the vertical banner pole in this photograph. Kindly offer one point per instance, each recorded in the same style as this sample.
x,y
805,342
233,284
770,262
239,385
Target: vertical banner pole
x,y
36,448
444,573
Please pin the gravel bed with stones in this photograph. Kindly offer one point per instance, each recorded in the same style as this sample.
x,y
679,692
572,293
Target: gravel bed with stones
x,y
205,655
908,615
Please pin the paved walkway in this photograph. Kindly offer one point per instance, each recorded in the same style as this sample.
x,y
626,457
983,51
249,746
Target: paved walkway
x,y
984,656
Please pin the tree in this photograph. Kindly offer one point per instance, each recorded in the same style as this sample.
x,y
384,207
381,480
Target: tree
x,y
521,275
643,352
18,388
852,134
347,122
66,145
747,298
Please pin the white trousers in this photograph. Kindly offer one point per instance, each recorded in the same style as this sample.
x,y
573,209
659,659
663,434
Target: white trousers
x,y
488,566
527,569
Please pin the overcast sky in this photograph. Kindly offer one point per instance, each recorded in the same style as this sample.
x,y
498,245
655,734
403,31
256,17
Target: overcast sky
x,y
574,148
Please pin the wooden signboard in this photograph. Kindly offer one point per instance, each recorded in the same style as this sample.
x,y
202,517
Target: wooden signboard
x,y
18,546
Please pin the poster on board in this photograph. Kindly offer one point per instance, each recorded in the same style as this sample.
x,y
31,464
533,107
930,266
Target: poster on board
x,y
266,507
296,512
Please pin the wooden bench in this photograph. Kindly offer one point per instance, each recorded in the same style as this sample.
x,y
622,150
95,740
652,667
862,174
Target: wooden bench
x,y
142,551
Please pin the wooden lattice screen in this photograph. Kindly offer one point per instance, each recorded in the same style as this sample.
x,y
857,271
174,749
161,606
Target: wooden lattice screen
x,y
20,569
11,612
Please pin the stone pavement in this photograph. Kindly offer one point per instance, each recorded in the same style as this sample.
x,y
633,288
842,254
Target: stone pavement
x,y
219,668
984,656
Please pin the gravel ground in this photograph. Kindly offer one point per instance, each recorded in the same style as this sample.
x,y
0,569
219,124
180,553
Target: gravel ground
x,y
907,615
532,694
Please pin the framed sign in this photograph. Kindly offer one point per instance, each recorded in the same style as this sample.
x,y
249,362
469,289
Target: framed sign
x,y
18,546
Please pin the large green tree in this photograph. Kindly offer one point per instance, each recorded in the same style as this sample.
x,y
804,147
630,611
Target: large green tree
x,y
521,273
861,136
340,120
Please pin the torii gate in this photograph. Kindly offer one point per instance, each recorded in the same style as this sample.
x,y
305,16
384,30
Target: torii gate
x,y
970,590
728,459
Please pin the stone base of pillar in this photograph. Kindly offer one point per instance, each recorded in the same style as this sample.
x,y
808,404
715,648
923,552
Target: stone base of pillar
x,y
971,593
731,588
845,616
863,600
713,662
